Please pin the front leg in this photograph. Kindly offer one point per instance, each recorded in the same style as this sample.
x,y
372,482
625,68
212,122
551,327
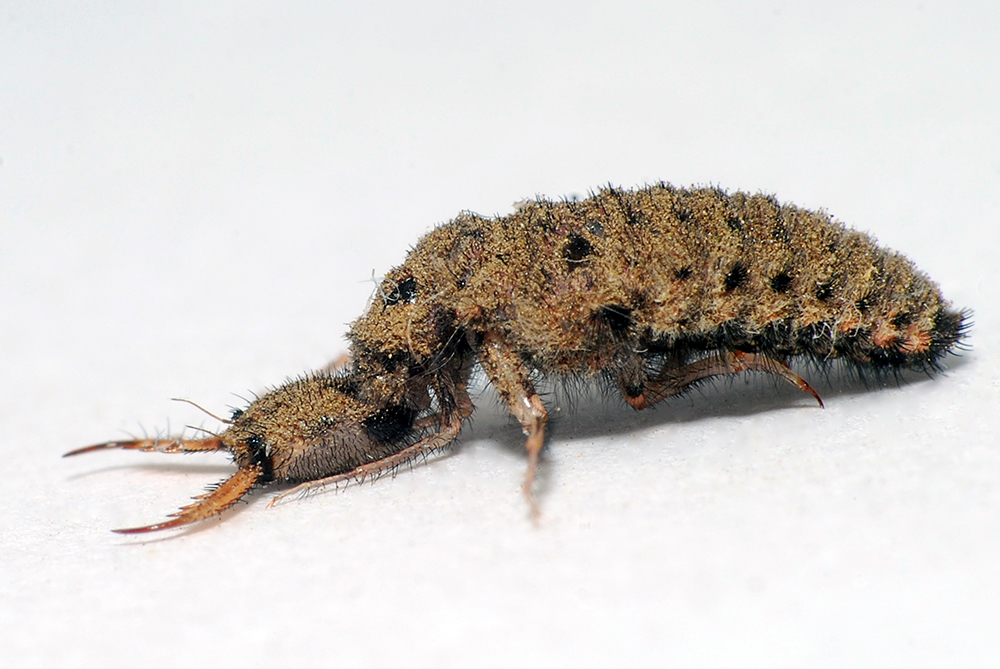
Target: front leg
x,y
512,381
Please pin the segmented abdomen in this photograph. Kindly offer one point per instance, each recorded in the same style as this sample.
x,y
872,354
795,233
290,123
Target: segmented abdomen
x,y
704,269
574,284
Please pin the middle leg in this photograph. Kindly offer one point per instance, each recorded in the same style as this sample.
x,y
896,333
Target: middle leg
x,y
512,381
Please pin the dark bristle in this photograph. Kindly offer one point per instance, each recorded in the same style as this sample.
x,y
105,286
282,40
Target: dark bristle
x,y
950,328
618,318
866,302
737,276
824,291
259,457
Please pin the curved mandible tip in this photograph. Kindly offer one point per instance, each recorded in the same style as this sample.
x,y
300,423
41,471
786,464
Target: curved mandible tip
x,y
208,505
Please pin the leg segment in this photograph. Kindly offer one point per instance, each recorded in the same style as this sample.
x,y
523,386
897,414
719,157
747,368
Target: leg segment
x,y
674,380
512,381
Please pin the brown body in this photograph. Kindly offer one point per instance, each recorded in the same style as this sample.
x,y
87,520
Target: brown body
x,y
654,289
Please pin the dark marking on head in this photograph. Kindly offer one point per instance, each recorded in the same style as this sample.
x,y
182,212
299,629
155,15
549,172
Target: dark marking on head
x,y
854,345
405,291
775,338
816,338
737,276
391,424
781,282
469,232
731,335
683,273
780,232
257,450
577,249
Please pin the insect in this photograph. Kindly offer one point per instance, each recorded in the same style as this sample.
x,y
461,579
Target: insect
x,y
653,290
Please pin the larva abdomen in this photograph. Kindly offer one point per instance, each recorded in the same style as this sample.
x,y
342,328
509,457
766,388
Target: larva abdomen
x,y
578,286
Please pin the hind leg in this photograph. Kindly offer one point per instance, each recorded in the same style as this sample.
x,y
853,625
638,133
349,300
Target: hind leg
x,y
674,379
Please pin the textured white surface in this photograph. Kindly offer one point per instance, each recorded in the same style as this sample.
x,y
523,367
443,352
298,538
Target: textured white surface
x,y
193,201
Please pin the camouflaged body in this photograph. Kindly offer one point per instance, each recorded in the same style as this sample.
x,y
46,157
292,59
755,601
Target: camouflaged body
x,y
628,275
656,289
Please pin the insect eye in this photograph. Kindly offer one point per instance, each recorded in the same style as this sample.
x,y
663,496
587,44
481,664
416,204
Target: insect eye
x,y
405,291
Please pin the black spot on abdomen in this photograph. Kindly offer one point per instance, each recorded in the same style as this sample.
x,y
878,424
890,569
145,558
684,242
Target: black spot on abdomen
x,y
737,276
781,283
824,291
866,302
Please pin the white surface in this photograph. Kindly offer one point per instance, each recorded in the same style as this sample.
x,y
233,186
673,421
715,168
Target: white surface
x,y
193,201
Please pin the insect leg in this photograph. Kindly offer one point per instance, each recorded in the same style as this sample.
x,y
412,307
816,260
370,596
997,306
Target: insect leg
x,y
169,445
673,380
439,439
512,381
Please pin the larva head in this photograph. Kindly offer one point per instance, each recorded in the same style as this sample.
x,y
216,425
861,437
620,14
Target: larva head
x,y
315,427
306,430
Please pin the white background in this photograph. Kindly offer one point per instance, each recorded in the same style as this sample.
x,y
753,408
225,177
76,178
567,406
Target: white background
x,y
193,202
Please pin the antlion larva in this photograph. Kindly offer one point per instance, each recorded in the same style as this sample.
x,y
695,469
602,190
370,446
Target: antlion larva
x,y
654,289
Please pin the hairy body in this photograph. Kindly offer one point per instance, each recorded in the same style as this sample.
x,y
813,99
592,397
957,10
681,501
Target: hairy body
x,y
654,289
